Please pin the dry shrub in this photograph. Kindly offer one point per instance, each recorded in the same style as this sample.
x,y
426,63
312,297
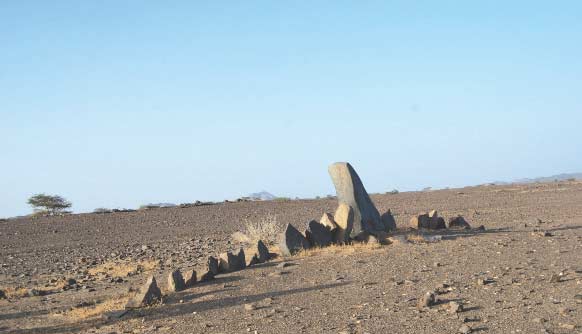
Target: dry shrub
x,y
15,292
113,304
265,229
124,268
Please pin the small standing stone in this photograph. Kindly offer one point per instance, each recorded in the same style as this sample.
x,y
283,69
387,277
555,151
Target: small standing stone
x,y
465,329
262,252
190,278
388,221
317,234
230,262
292,241
148,294
328,221
176,281
206,276
459,222
212,265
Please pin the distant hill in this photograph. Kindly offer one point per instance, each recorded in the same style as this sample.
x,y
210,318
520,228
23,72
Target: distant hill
x,y
544,179
262,196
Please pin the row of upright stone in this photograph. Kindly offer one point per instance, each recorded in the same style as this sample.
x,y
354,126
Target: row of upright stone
x,y
150,293
356,217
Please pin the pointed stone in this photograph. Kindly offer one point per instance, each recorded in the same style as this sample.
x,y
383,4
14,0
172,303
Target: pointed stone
x,y
147,295
292,241
262,252
230,262
317,234
190,278
206,276
459,222
388,221
344,218
253,260
351,191
176,281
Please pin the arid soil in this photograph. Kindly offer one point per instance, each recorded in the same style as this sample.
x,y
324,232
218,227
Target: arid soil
x,y
502,277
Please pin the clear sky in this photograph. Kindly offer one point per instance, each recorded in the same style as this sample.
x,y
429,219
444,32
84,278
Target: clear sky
x,y
121,103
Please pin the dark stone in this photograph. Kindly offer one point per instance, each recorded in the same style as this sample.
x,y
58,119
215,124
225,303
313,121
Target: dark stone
x,y
190,278
2,294
459,222
229,262
292,241
148,294
351,191
429,221
213,265
206,276
317,234
388,221
176,281
253,260
420,221
262,252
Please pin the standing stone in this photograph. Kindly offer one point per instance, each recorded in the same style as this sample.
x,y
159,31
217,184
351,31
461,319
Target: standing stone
x,y
344,218
206,276
327,220
212,265
420,221
292,241
459,222
148,294
190,278
262,252
176,281
351,191
436,222
253,260
229,262
388,221
317,234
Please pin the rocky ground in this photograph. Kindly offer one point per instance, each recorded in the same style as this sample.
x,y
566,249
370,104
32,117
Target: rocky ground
x,y
523,274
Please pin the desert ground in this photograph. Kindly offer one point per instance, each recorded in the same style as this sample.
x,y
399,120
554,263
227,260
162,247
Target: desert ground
x,y
522,274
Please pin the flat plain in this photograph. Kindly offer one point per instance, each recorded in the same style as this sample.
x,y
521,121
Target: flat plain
x,y
522,274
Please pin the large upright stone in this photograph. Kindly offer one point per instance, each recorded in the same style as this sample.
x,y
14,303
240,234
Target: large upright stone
x,y
317,234
212,265
292,241
344,219
148,294
351,191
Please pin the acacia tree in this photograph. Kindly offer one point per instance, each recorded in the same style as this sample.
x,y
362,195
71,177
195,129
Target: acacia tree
x,y
49,204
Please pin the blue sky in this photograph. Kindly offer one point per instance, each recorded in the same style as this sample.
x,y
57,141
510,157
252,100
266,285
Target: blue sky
x,y
121,103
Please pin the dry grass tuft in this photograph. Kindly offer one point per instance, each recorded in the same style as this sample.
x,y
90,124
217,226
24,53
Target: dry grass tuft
x,y
265,229
124,268
340,249
82,313
15,292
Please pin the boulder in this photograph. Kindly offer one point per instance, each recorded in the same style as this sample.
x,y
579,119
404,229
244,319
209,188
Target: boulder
x,y
190,278
327,220
230,262
388,221
459,222
292,241
344,219
318,235
176,281
351,191
212,264
148,294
